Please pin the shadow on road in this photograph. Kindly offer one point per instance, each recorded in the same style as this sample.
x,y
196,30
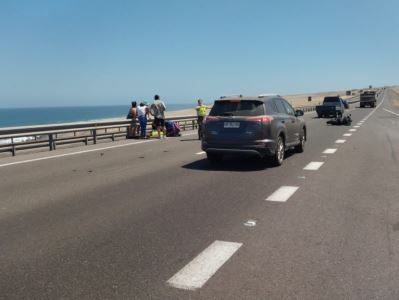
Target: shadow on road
x,y
234,164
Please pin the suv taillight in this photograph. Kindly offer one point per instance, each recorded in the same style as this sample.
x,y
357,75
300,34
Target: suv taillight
x,y
261,119
210,119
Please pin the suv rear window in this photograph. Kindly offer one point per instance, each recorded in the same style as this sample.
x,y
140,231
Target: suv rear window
x,y
237,108
331,99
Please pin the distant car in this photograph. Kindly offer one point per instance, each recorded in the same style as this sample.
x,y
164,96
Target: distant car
x,y
263,126
330,106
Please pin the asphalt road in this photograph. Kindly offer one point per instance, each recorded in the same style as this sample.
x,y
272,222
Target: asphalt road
x,y
140,220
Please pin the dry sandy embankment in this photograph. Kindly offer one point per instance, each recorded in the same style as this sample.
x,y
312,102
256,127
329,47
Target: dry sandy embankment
x,y
295,100
317,98
395,102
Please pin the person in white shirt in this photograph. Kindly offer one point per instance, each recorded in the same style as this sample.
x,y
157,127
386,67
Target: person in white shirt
x,y
142,115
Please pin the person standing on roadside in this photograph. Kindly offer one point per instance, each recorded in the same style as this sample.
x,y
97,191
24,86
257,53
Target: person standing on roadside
x,y
201,113
157,109
142,115
132,115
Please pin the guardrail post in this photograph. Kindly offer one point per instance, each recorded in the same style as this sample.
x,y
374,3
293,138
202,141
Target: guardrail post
x,y
94,136
51,141
12,147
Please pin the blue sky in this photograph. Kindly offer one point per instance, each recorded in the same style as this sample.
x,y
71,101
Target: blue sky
x,y
75,52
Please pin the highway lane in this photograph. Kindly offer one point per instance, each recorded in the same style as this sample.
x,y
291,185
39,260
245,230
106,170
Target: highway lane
x,y
119,223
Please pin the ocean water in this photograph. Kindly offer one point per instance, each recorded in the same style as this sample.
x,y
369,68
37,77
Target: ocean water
x,y
11,117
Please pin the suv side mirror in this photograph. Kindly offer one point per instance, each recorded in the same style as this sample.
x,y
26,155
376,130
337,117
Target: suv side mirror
x,y
299,113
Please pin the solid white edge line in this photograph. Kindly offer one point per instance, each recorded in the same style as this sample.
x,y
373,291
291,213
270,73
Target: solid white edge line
x,y
79,152
197,272
330,151
282,194
391,112
313,166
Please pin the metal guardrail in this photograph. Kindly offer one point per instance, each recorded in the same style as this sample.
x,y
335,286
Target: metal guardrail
x,y
311,108
352,99
306,109
53,135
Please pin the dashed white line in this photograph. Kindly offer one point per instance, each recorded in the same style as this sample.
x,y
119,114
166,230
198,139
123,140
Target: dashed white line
x,y
250,223
196,273
356,126
353,130
347,134
340,141
313,166
200,153
282,194
330,151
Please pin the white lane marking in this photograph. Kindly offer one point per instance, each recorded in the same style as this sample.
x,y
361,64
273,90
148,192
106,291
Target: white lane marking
x,y
200,153
357,126
250,223
353,130
324,156
314,165
282,194
79,152
188,134
340,141
347,134
391,112
374,110
196,273
330,151
301,177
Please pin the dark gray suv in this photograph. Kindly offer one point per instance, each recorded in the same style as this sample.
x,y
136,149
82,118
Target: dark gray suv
x,y
264,126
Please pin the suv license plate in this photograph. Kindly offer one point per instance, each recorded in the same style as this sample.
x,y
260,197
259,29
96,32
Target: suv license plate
x,y
231,124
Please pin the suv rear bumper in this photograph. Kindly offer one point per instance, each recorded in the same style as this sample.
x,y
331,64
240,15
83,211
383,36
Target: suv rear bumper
x,y
259,148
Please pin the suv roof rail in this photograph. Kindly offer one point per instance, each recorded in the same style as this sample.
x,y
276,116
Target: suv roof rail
x,y
268,94
227,96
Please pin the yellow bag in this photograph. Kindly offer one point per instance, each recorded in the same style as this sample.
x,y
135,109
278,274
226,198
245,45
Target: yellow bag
x,y
154,134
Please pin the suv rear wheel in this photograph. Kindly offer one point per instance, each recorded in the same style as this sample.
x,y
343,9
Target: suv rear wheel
x,y
278,156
